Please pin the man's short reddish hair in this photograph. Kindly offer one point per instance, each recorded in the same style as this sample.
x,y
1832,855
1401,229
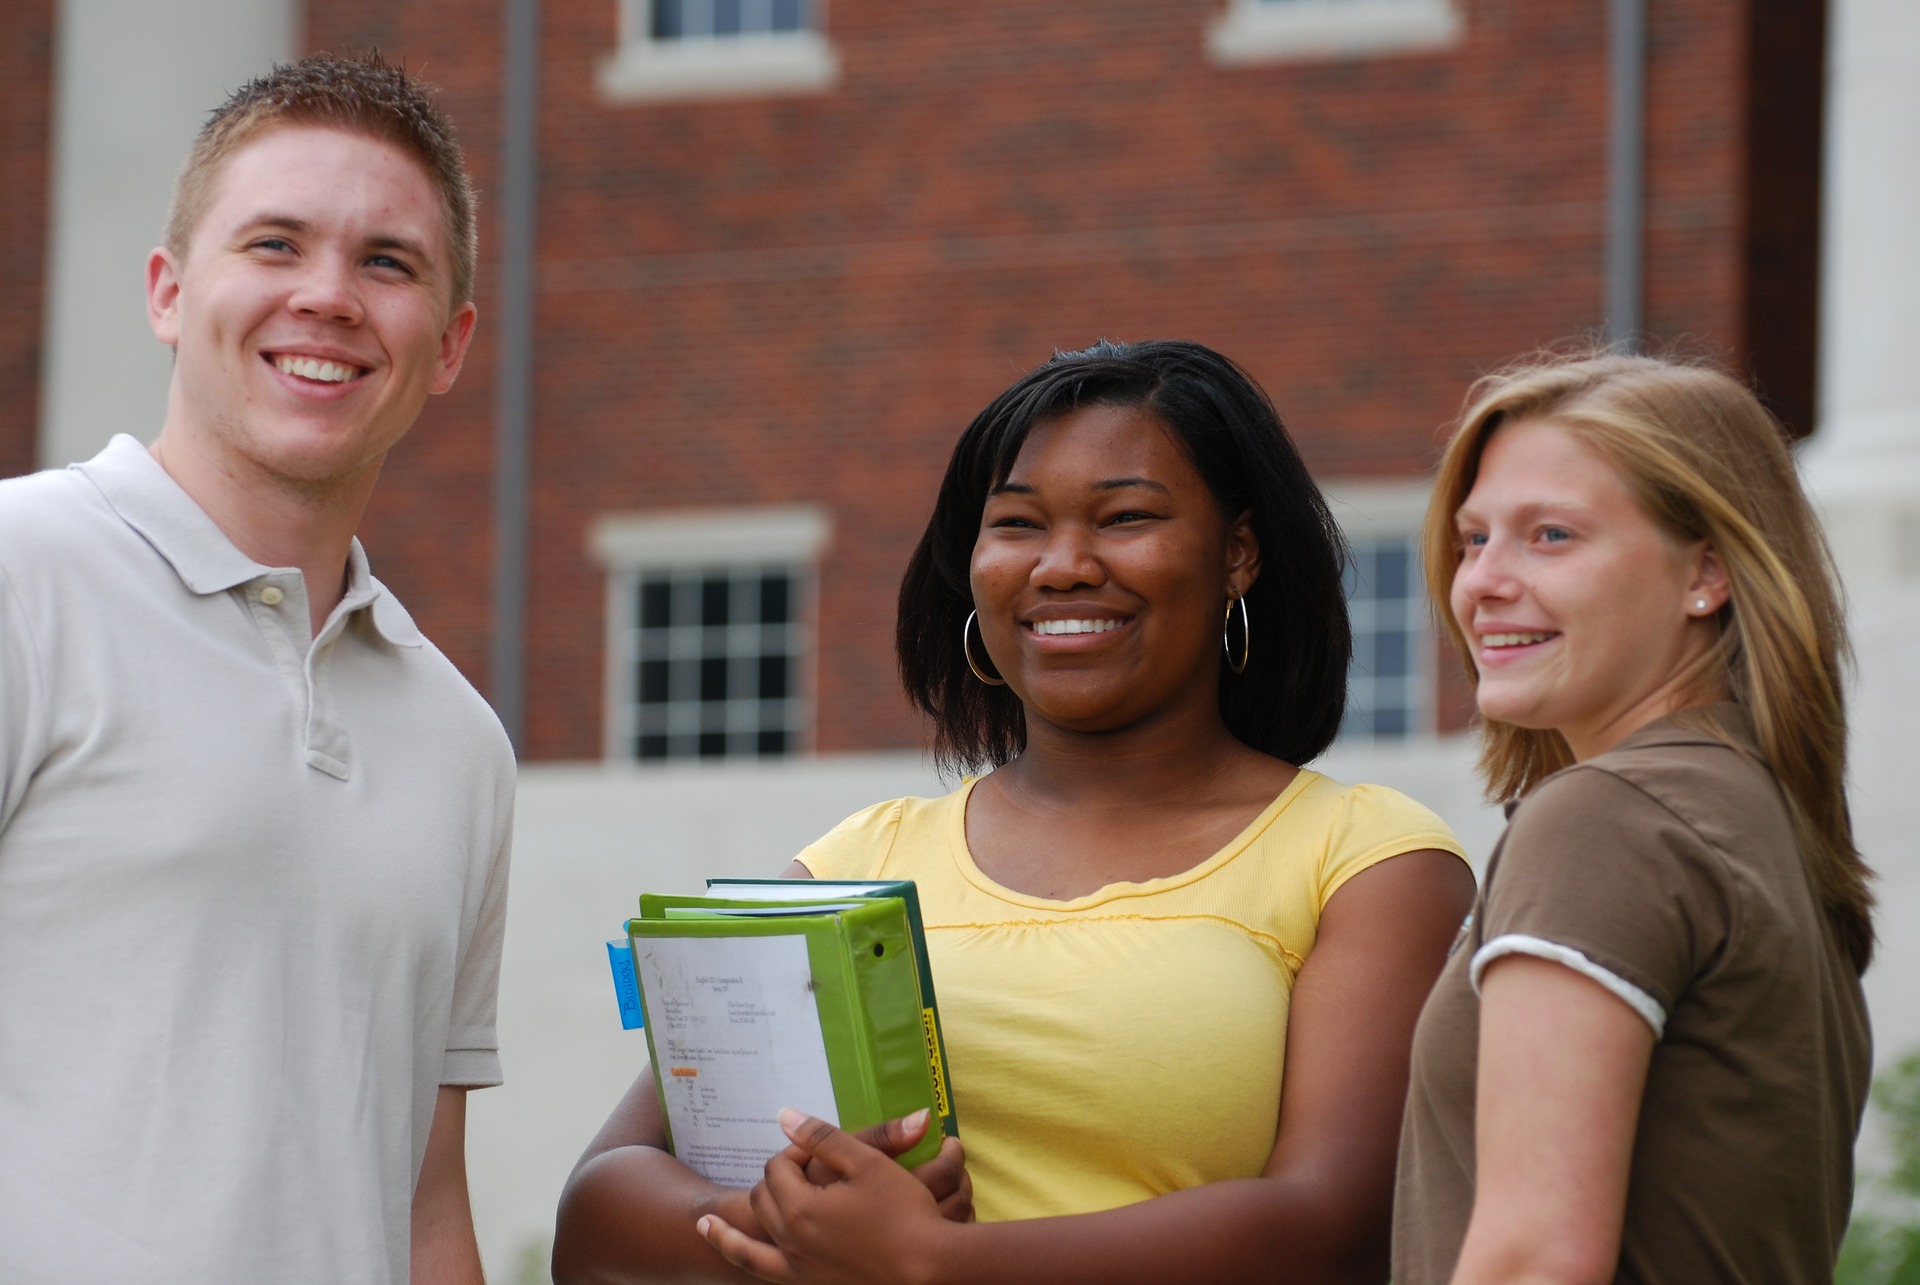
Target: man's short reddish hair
x,y
361,95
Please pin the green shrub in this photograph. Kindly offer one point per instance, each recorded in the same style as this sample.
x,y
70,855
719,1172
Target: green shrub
x,y
1883,1244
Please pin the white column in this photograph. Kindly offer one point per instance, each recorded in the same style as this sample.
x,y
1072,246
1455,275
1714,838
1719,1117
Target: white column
x,y
134,80
1863,463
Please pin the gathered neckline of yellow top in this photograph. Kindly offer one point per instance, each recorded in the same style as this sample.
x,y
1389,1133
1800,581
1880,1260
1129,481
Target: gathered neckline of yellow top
x,y
963,854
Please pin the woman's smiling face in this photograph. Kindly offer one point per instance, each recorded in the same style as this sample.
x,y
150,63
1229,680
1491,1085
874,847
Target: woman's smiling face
x,y
1584,615
1101,571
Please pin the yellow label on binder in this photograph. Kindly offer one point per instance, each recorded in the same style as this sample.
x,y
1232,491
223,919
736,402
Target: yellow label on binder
x,y
930,1027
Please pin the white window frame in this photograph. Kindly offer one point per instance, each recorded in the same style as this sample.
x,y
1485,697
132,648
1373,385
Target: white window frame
x,y
629,546
1373,509
1265,31
763,64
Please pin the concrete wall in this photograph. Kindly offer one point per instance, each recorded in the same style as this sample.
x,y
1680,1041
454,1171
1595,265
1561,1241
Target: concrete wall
x,y
589,839
1864,462
134,80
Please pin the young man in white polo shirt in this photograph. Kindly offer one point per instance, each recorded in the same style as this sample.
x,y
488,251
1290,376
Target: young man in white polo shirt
x,y
253,826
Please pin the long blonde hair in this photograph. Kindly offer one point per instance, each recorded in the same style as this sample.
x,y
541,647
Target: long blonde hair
x,y
1706,461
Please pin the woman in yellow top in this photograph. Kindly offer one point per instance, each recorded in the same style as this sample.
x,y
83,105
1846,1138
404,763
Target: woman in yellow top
x,y
1140,915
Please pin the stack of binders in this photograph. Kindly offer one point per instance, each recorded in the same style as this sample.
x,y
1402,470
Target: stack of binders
x,y
764,994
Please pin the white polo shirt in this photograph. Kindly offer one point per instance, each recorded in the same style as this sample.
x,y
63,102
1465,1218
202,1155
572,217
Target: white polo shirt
x,y
252,888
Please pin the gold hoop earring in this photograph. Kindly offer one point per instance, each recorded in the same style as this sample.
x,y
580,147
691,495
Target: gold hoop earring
x,y
966,649
1246,636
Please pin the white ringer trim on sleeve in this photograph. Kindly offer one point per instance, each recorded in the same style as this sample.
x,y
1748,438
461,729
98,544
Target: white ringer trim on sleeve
x,y
1521,944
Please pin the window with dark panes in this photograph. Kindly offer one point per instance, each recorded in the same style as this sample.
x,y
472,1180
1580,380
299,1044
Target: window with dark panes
x,y
1387,682
716,653
727,19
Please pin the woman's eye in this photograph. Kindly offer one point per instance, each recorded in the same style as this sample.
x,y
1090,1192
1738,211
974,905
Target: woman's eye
x,y
1473,539
1130,515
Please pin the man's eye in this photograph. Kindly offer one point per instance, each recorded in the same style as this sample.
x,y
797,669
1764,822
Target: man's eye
x,y
1555,534
389,262
272,243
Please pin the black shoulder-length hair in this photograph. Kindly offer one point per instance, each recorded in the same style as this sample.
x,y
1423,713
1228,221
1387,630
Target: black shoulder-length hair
x,y
1290,700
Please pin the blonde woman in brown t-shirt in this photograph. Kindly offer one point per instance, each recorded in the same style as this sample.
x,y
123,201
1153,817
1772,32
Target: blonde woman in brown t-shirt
x,y
1647,1058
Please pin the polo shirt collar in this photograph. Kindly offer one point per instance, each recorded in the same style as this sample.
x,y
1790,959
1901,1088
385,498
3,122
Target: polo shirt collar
x,y
363,590
1723,723
1726,723
152,503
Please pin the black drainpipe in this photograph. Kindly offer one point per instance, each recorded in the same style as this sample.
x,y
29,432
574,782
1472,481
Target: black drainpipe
x,y
1626,169
514,389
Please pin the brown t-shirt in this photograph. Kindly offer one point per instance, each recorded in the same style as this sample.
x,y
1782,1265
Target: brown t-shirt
x,y
1666,870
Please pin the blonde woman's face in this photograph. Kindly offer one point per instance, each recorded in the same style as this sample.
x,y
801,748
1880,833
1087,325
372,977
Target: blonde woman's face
x,y
1584,616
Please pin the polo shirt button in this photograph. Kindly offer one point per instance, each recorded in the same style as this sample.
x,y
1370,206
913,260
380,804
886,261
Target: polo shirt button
x,y
272,596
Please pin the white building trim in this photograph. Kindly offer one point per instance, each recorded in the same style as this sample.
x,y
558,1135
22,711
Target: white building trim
x,y
752,65
628,545
710,537
132,84
1263,31
1378,506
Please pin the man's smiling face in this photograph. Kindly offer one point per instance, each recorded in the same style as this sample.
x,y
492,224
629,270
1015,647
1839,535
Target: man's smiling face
x,y
310,317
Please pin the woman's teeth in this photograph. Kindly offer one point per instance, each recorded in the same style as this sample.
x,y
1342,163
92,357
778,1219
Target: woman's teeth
x,y
1512,640
327,372
1074,626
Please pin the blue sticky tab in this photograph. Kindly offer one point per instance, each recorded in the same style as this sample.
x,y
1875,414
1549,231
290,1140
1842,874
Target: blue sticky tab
x,y
626,985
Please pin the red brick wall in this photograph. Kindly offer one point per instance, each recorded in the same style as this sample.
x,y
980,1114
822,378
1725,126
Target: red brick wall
x,y
26,118
1696,118
429,530
806,298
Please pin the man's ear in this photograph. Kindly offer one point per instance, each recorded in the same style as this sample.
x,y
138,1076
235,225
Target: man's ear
x,y
1243,555
453,347
163,296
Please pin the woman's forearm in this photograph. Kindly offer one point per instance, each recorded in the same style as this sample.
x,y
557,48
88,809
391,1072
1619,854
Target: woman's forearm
x,y
628,1215
1248,1229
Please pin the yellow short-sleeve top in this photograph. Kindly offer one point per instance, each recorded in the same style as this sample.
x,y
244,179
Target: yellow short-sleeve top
x,y
1128,1042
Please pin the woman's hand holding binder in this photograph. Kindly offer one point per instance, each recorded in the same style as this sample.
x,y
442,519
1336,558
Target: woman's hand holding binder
x,y
945,1176
834,1206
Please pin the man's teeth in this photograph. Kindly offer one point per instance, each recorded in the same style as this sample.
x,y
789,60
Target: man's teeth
x,y
1074,626
1512,640
327,372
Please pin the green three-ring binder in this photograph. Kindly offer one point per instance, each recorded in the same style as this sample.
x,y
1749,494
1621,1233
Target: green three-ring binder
x,y
767,993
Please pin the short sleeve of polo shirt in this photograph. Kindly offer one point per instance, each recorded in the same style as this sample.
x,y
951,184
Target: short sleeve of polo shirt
x,y
1597,874
22,703
473,1042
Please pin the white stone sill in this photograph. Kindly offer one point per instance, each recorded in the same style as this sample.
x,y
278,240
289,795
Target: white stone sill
x,y
733,67
1254,32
